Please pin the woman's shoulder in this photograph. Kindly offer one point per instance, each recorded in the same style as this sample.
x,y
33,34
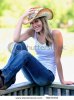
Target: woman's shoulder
x,y
57,36
56,32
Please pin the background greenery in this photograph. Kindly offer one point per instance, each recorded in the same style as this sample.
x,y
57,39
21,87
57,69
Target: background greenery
x,y
63,10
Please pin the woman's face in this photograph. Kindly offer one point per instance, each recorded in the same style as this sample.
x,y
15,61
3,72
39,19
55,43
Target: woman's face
x,y
37,25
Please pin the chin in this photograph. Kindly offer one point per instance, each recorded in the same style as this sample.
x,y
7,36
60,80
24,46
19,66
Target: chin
x,y
37,30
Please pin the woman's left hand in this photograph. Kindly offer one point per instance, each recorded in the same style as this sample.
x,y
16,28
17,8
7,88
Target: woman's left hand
x,y
68,83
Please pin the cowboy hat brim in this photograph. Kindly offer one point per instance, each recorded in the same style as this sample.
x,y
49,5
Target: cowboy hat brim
x,y
45,12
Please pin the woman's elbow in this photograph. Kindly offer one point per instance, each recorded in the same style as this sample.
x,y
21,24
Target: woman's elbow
x,y
16,40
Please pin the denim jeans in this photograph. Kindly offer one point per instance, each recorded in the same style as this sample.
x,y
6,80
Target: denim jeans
x,y
32,69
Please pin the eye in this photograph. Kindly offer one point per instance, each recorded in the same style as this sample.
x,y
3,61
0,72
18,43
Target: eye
x,y
36,20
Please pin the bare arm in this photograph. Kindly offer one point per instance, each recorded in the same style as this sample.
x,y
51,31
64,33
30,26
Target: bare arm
x,y
18,37
17,33
58,46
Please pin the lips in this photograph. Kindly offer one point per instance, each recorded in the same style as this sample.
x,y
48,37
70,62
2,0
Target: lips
x,y
37,27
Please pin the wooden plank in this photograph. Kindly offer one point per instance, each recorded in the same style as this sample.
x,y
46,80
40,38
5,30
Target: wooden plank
x,y
50,91
23,92
31,91
46,92
59,85
36,90
63,92
59,92
42,91
26,92
67,92
14,93
20,92
71,92
54,91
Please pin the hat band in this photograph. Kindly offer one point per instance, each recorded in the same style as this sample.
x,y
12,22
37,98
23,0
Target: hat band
x,y
31,16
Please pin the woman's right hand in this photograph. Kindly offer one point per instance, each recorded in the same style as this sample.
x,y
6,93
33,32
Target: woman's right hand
x,y
26,14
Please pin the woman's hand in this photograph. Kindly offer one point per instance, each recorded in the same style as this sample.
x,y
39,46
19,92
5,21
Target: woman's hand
x,y
67,82
26,14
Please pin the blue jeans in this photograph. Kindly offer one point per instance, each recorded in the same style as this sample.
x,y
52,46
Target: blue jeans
x,y
32,69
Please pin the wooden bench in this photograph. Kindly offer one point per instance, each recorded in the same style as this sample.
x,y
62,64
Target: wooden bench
x,y
25,89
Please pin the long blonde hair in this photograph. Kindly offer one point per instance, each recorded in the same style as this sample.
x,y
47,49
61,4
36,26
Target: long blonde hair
x,y
46,31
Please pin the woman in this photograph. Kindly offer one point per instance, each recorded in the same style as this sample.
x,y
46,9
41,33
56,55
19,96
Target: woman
x,y
48,46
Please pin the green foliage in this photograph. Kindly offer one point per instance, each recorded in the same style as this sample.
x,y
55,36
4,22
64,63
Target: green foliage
x,y
3,6
70,12
63,11
71,29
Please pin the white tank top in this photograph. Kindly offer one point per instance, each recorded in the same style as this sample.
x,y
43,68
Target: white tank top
x,y
45,55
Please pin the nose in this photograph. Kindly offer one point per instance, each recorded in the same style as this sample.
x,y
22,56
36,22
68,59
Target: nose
x,y
34,24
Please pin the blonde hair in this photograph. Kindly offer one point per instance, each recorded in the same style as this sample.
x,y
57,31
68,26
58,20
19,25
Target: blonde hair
x,y
46,31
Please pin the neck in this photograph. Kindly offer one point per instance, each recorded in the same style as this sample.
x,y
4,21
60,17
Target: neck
x,y
40,33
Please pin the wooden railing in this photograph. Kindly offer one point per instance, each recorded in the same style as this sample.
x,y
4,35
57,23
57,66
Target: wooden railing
x,y
26,89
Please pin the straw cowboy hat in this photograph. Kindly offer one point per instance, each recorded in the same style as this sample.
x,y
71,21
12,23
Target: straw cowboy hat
x,y
39,12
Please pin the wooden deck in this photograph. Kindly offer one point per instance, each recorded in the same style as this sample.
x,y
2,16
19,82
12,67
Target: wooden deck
x,y
26,89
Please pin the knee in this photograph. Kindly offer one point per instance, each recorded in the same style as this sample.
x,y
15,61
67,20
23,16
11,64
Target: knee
x,y
15,47
23,53
20,46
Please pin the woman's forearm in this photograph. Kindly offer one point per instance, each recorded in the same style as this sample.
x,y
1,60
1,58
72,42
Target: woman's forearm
x,y
21,21
60,71
17,31
18,28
